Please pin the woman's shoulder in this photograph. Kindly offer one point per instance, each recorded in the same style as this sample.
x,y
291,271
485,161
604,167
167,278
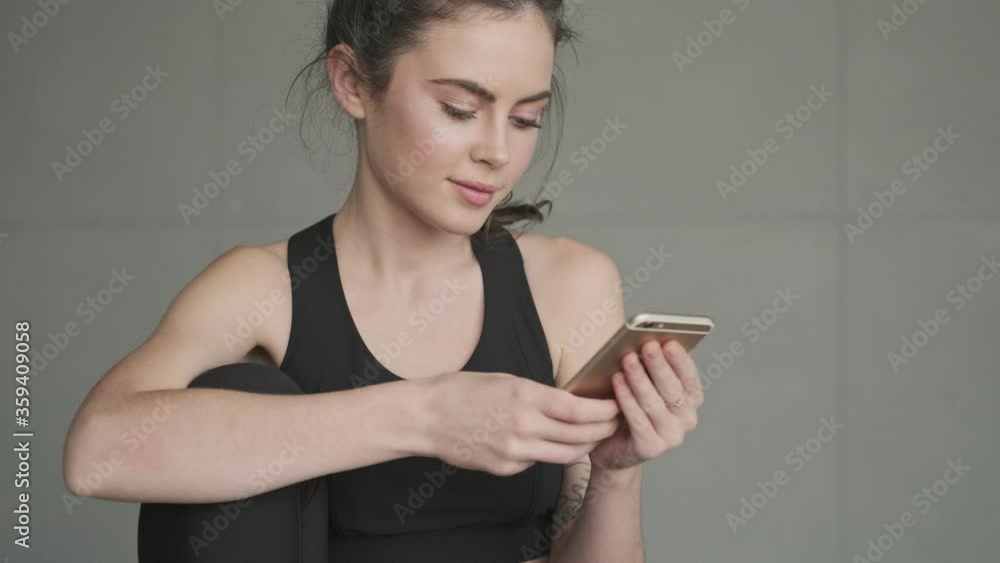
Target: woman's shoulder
x,y
255,262
558,258
257,273
277,249
568,279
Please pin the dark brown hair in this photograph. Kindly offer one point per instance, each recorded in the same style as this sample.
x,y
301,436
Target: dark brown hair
x,y
378,31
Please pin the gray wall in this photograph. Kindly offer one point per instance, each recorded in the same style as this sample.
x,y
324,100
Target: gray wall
x,y
825,358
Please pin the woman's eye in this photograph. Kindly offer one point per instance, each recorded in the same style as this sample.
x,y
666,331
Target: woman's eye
x,y
527,123
457,113
522,123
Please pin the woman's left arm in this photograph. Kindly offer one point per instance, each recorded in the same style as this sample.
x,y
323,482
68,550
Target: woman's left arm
x,y
659,391
597,517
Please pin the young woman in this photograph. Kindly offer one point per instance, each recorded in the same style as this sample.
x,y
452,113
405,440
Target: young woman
x,y
409,407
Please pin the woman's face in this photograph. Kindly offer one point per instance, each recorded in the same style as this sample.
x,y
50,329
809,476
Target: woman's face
x,y
432,128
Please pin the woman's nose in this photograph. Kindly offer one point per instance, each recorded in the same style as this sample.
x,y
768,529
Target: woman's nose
x,y
492,148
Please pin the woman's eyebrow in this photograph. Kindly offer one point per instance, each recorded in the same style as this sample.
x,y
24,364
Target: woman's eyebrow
x,y
480,91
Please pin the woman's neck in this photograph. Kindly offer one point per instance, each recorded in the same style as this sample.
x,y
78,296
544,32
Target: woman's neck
x,y
385,240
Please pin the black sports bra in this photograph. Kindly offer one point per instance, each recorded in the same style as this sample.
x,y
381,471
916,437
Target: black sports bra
x,y
418,509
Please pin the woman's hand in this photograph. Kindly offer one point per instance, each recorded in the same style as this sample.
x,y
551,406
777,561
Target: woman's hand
x,y
502,424
659,397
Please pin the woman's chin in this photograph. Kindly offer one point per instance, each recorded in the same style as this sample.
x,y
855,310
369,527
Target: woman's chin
x,y
453,215
465,221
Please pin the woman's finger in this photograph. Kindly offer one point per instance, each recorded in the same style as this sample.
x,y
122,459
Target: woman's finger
x,y
646,394
638,421
562,405
555,430
686,370
663,376
550,452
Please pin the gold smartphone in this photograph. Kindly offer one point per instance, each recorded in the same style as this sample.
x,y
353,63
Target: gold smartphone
x,y
593,380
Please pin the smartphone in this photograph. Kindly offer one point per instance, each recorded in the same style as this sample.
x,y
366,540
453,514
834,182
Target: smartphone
x,y
593,380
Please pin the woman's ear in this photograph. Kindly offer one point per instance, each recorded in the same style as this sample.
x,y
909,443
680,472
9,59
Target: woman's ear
x,y
341,66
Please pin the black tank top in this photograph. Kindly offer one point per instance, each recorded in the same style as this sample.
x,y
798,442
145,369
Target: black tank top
x,y
419,509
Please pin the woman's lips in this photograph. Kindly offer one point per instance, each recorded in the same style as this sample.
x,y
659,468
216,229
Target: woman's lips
x,y
483,187
471,195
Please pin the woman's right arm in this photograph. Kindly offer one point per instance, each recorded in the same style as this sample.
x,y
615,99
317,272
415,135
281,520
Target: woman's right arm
x,y
142,436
